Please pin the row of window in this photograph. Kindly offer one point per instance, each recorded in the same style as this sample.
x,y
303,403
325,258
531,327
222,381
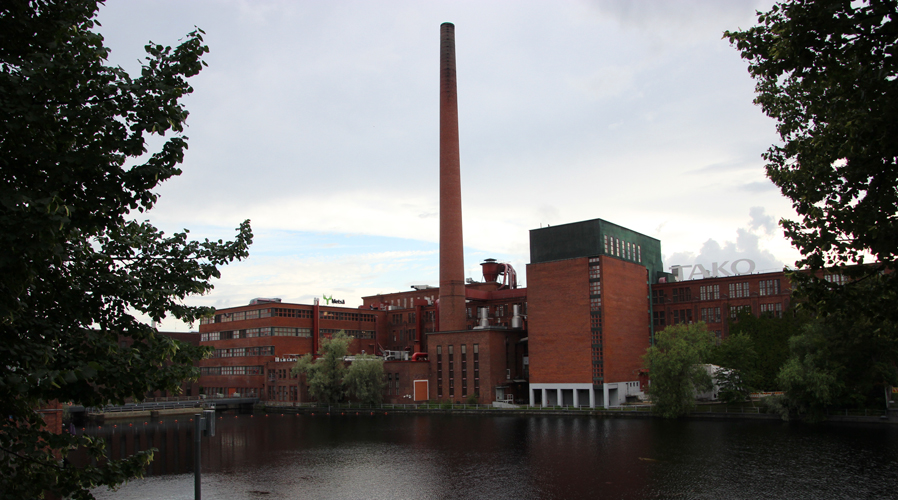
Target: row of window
x,y
281,331
356,334
623,249
475,348
713,314
282,312
346,316
283,393
682,294
712,292
709,292
237,352
774,309
231,370
595,318
392,384
770,287
838,279
498,311
250,392
268,331
400,335
280,374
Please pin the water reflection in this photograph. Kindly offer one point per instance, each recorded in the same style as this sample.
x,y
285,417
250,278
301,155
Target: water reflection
x,y
498,457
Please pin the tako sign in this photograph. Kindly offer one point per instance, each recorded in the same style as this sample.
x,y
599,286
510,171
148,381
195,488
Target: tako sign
x,y
741,266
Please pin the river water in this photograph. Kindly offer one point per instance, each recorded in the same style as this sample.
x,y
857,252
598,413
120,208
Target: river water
x,y
401,456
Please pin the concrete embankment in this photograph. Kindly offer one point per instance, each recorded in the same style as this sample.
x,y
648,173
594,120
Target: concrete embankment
x,y
122,415
733,414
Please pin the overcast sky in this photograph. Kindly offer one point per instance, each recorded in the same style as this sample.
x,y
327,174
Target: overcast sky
x,y
320,122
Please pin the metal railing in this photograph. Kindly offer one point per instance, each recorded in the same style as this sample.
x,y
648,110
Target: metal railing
x,y
146,406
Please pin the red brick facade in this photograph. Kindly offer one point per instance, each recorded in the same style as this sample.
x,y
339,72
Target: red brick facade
x,y
626,329
559,321
714,300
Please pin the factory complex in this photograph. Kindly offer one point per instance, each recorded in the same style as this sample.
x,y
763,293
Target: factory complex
x,y
596,295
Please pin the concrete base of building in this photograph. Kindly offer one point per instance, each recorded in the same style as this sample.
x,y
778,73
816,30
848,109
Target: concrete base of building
x,y
584,395
578,395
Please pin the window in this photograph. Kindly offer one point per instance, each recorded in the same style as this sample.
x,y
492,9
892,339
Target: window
x,y
475,349
291,313
595,323
774,310
770,287
711,314
682,316
658,318
440,371
658,297
709,292
595,271
738,290
282,331
464,370
451,371
838,279
736,310
682,294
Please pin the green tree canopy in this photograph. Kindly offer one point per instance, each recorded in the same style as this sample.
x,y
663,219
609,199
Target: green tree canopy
x,y
769,341
324,374
365,379
738,362
76,268
827,72
675,368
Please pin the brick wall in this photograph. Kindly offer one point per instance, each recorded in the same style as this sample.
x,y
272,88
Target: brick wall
x,y
626,318
558,322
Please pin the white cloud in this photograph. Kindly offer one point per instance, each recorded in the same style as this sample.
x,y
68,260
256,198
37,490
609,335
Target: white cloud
x,y
747,245
323,118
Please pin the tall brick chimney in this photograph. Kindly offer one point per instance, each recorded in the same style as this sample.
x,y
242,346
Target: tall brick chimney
x,y
452,265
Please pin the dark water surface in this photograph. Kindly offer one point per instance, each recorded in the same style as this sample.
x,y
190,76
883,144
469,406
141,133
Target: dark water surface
x,y
508,457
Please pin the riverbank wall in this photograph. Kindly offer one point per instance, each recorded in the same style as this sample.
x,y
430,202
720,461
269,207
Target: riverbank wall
x,y
751,413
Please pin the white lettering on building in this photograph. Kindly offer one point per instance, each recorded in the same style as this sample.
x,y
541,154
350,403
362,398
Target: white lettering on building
x,y
738,267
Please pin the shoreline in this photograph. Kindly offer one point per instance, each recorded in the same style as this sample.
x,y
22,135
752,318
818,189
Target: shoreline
x,y
595,413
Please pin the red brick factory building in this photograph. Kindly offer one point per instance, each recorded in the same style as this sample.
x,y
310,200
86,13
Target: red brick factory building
x,y
596,295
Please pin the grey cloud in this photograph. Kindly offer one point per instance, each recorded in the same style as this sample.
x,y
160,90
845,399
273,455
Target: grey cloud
x,y
761,220
684,16
758,187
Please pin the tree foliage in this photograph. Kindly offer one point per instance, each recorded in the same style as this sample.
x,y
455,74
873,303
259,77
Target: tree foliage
x,y
811,378
738,372
769,341
325,373
76,268
827,72
675,368
365,379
